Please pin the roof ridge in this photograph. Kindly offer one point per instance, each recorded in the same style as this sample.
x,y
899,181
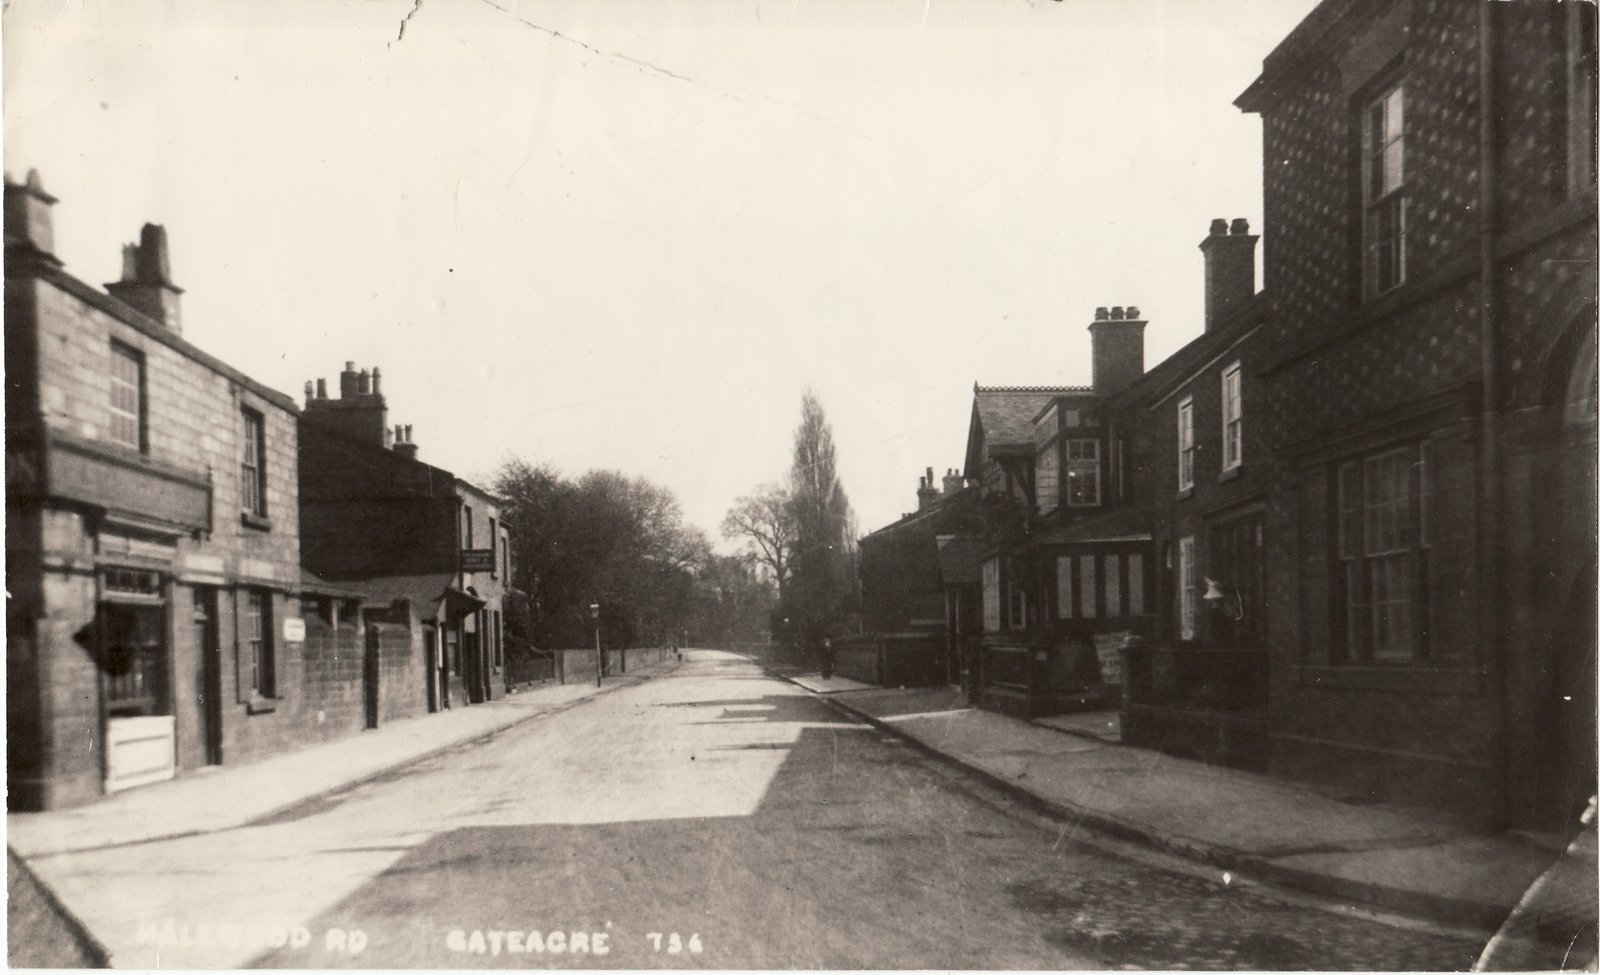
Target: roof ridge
x,y
1031,389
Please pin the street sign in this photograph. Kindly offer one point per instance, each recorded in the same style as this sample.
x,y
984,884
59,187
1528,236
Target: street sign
x,y
477,560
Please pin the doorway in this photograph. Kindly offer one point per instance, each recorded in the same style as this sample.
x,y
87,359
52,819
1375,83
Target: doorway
x,y
369,673
208,639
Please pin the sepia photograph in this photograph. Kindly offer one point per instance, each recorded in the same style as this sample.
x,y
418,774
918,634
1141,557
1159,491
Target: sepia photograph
x,y
769,485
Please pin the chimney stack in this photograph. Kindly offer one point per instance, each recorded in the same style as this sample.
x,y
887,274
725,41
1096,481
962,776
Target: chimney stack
x,y
147,278
926,492
1116,339
360,411
28,225
403,444
1230,253
953,481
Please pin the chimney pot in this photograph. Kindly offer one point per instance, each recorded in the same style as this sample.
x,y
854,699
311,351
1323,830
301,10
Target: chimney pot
x,y
363,382
1101,314
408,433
1219,227
311,391
1240,226
1116,313
322,389
377,376
1133,313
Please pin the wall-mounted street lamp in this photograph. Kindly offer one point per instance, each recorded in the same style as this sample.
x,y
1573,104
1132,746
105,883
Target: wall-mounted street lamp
x,y
599,657
1226,600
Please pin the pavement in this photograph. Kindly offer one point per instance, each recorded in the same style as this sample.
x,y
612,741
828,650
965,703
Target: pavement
x,y
716,818
1408,860
228,797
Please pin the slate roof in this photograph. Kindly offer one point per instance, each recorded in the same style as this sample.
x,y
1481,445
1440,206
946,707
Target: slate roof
x,y
1007,412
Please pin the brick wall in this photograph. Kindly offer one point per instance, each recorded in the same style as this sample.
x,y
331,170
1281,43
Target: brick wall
x,y
1353,375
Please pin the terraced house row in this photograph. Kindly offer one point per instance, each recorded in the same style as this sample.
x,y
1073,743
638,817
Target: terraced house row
x,y
200,570
1347,533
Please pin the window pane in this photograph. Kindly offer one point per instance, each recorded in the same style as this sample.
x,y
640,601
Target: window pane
x,y
1064,587
1113,570
1136,585
1086,585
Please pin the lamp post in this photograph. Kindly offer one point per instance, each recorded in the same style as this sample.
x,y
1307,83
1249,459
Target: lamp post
x,y
1227,600
599,657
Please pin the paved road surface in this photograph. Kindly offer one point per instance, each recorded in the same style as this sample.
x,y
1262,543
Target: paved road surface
x,y
713,817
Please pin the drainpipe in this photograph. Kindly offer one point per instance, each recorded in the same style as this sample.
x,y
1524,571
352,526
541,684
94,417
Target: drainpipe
x,y
1489,490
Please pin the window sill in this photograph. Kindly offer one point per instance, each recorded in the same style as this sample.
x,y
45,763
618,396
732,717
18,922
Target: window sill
x,y
260,705
1231,473
250,519
1186,493
1399,677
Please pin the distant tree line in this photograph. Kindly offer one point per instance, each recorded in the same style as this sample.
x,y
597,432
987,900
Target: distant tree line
x,y
621,542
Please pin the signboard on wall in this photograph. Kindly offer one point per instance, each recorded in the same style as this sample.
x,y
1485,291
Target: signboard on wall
x,y
294,630
477,560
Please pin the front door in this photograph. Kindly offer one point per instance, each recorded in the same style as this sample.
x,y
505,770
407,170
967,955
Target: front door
x,y
209,642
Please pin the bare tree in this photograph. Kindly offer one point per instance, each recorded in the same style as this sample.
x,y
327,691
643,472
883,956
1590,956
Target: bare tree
x,y
765,520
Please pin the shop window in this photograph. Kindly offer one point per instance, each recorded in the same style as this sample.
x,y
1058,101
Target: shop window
x,y
132,626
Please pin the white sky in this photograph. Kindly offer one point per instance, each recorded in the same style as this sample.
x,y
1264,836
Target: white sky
x,y
628,234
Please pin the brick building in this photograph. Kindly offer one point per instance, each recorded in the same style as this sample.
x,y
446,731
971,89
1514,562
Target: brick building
x,y
425,548
1430,280
918,574
152,545
1192,461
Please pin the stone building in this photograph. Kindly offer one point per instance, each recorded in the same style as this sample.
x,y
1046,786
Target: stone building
x,y
419,543
1430,280
152,538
